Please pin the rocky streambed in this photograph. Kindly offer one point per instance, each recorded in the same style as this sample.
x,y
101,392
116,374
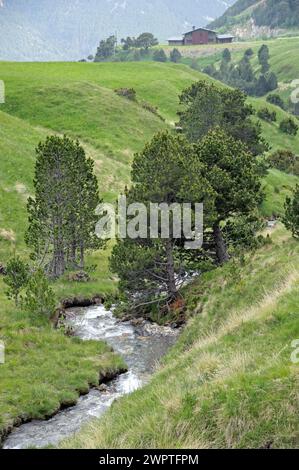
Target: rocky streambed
x,y
141,344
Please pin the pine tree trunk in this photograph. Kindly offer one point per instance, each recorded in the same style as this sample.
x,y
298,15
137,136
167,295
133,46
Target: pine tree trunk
x,y
72,254
82,256
58,263
58,255
220,245
172,289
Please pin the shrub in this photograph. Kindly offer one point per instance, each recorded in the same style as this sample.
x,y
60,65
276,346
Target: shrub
x,y
2,270
289,126
291,217
16,278
128,93
276,100
152,109
39,299
296,167
160,56
283,160
249,53
267,115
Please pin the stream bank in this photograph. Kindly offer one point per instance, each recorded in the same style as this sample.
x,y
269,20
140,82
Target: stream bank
x,y
141,346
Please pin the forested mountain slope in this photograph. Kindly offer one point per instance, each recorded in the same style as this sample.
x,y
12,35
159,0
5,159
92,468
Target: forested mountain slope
x,y
266,15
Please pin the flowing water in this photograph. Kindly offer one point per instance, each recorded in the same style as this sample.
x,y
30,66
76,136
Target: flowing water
x,y
141,347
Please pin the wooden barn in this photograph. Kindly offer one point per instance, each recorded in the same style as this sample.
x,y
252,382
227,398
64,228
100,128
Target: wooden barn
x,y
200,36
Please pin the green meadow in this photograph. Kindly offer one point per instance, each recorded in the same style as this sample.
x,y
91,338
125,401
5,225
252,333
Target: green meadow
x,y
80,100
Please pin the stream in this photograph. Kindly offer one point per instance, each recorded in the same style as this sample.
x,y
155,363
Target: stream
x,y
141,347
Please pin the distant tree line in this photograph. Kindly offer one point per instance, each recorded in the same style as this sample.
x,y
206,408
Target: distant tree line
x,y
141,45
144,41
133,49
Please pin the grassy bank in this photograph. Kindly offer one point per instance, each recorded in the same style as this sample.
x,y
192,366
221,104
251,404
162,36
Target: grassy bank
x,y
44,369
229,381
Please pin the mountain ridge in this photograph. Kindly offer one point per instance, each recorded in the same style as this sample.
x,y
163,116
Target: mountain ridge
x,y
63,30
252,18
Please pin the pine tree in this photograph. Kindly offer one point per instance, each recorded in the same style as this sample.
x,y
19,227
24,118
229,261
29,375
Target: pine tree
x,y
61,216
272,81
226,55
249,52
160,56
39,299
166,171
246,71
291,217
261,87
235,177
87,201
208,106
106,49
264,56
175,56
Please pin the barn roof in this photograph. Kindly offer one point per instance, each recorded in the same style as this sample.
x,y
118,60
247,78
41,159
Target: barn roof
x,y
201,29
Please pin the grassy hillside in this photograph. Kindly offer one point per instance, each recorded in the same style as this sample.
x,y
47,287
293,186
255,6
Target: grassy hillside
x,y
283,52
229,382
158,83
78,99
